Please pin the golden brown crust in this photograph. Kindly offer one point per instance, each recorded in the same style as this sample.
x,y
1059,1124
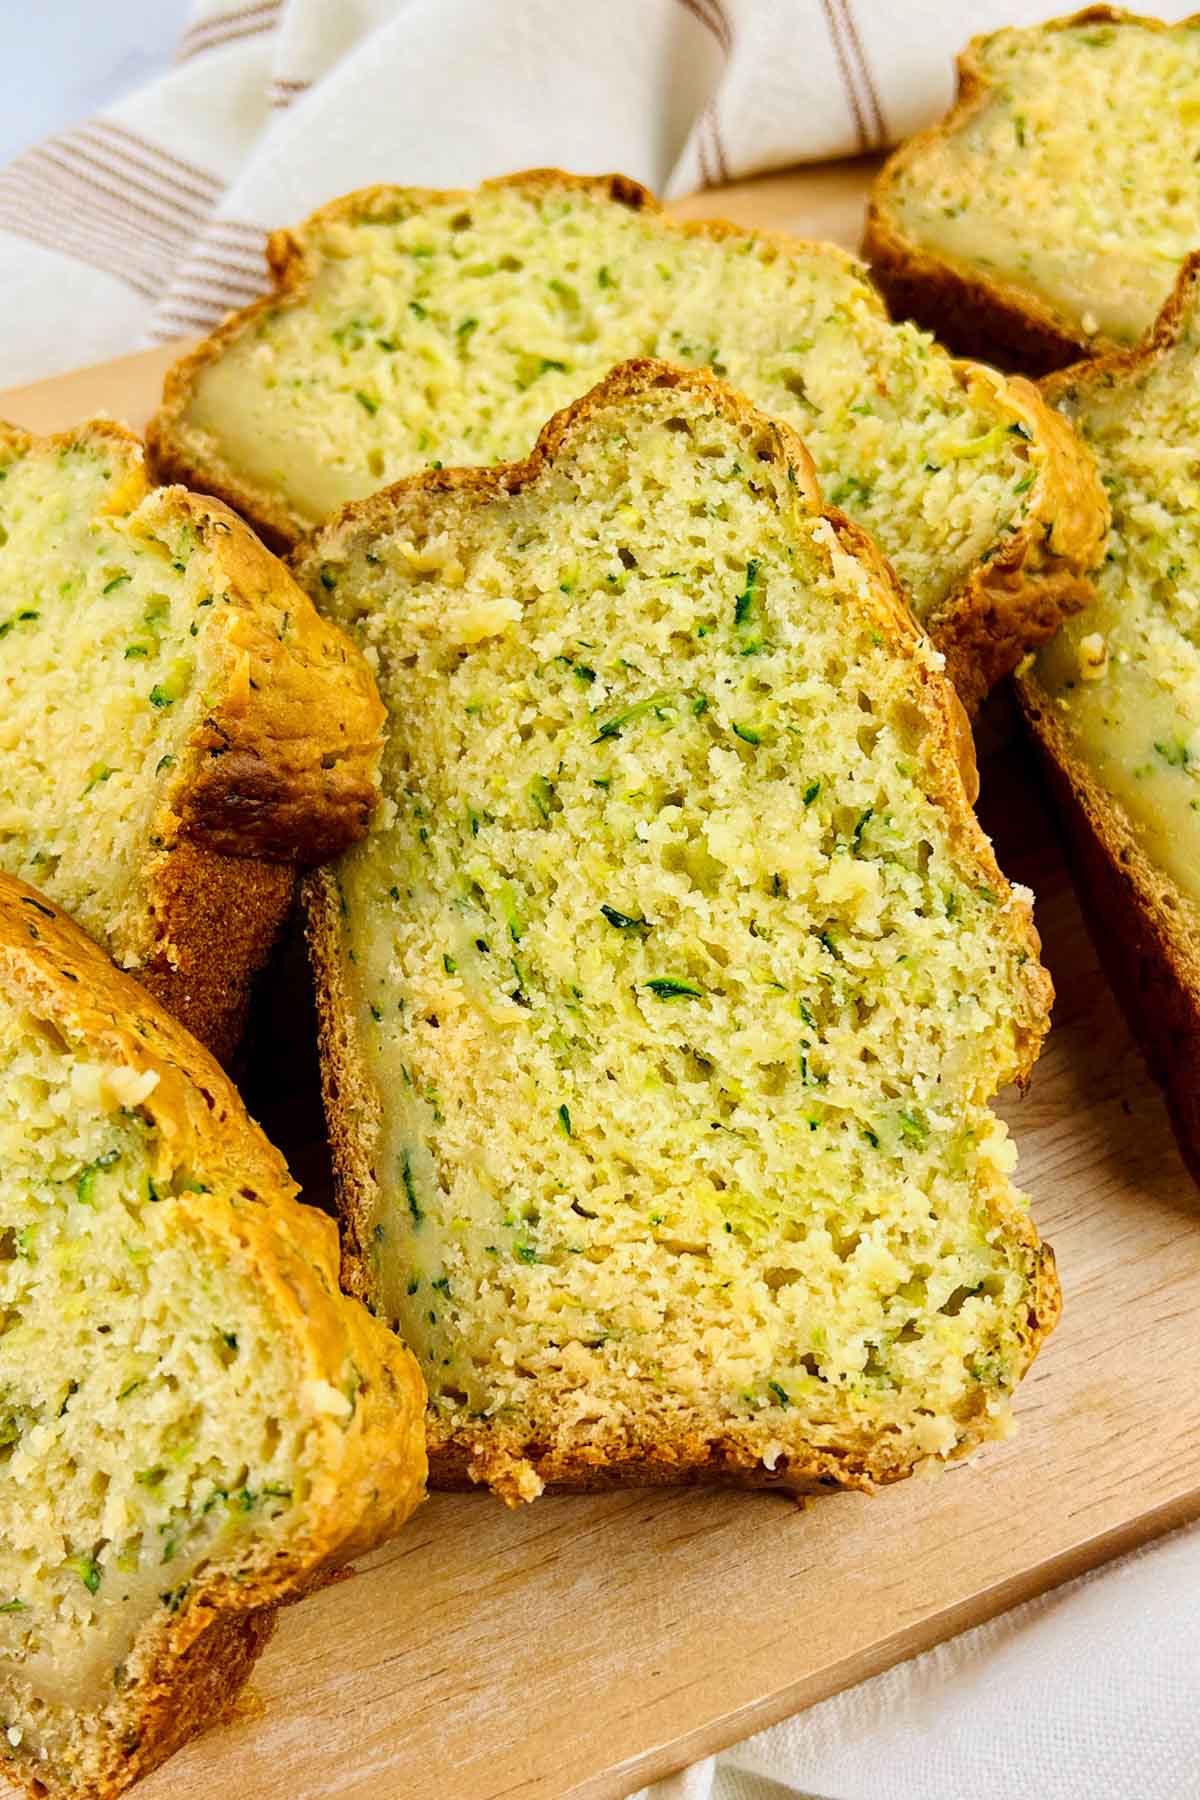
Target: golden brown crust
x,y
505,1461
975,314
1105,370
367,1473
1002,610
292,740
1146,931
282,770
292,747
291,269
517,1468
1041,573
208,1674
352,1108
500,1454
216,919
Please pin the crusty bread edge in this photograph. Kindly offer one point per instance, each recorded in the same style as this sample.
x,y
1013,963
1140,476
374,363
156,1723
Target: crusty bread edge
x,y
291,271
215,922
1040,574
517,1469
295,774
974,313
367,1474
1146,932
219,892
1003,608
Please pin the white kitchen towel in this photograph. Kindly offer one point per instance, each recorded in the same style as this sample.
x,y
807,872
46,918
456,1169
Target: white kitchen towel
x,y
149,221
1091,1692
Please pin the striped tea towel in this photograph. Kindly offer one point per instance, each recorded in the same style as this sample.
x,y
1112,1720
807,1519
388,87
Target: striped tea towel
x,y
148,222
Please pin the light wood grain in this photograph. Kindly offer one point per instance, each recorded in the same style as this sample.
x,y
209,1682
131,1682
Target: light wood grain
x,y
583,1646
127,389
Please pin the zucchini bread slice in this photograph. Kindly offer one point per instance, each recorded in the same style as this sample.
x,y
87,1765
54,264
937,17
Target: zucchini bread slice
x,y
178,726
1115,705
1046,217
662,1004
411,327
195,1425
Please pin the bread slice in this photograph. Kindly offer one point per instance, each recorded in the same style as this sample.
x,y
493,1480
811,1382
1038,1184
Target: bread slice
x,y
410,328
178,727
662,1004
194,1424
1045,218
1115,704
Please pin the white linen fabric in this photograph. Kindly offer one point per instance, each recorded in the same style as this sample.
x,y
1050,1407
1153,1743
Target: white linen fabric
x,y
1086,1693
149,222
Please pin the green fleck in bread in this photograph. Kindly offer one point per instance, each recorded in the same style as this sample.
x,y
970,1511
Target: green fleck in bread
x,y
178,727
1045,218
1115,704
412,328
662,1004
195,1425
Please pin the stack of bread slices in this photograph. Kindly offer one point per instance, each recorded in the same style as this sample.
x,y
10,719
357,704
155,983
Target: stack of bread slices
x,y
612,707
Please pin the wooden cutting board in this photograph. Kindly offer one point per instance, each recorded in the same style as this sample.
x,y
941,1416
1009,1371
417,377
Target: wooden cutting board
x,y
584,1646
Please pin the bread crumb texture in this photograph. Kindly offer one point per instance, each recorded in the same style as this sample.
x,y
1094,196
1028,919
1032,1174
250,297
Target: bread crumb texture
x,y
161,678
1126,687
1069,174
446,328
193,1421
101,672
664,1000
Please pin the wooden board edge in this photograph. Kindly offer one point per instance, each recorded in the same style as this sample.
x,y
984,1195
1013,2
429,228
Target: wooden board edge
x,y
914,1640
59,401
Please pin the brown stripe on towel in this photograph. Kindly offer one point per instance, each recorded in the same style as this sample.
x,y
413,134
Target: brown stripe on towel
x,y
172,321
226,262
708,14
236,246
724,27
62,230
143,153
706,174
55,176
282,93
171,212
858,50
833,22
222,291
226,268
234,228
710,114
246,21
